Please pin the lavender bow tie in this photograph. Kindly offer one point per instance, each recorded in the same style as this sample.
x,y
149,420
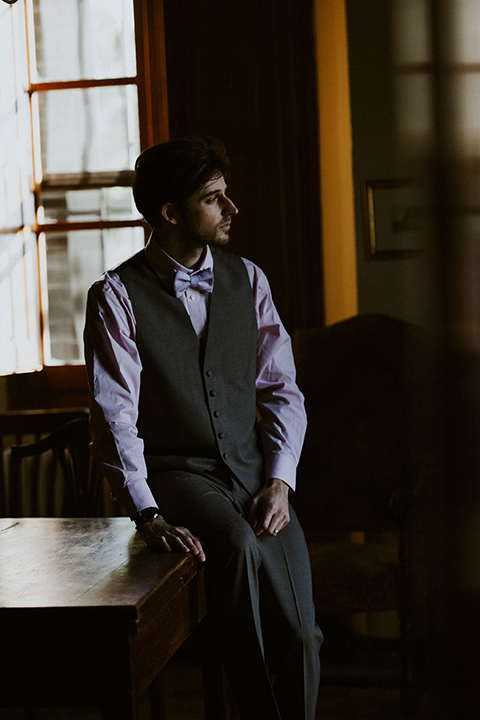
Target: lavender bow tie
x,y
202,280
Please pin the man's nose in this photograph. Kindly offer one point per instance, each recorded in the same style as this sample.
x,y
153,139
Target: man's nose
x,y
229,207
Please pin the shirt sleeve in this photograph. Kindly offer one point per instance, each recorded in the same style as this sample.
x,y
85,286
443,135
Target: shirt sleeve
x,y
280,403
114,368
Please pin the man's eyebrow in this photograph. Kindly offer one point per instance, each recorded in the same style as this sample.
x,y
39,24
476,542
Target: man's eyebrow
x,y
205,195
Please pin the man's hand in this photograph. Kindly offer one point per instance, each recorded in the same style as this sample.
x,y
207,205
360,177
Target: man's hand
x,y
269,509
160,535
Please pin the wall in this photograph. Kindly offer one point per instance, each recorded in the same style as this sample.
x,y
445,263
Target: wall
x,y
392,286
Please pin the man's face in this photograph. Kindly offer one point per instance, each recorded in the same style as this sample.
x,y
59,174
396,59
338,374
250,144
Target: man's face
x,y
206,216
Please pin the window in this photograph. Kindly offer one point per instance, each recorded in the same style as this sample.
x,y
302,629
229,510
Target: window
x,y
461,74
438,77
75,113
19,291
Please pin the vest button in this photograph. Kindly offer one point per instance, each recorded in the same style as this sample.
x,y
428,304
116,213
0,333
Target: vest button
x,y
221,435
225,456
213,393
209,373
216,413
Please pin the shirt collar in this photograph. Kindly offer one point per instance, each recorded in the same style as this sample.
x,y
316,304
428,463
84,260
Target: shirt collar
x,y
166,266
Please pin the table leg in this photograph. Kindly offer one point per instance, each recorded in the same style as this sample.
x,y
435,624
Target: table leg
x,y
120,702
156,693
122,708
214,683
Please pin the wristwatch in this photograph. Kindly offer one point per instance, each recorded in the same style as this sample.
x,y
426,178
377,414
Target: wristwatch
x,y
149,513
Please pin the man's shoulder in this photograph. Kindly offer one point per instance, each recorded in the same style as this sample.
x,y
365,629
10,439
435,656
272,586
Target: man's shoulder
x,y
111,280
239,262
233,267
107,285
222,255
256,276
136,260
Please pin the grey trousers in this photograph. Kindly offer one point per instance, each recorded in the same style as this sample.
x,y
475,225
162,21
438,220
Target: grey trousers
x,y
259,595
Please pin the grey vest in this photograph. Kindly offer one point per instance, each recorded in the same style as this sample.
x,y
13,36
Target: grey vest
x,y
197,409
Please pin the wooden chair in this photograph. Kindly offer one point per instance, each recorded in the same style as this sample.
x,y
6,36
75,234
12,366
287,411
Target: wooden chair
x,y
46,468
363,458
28,426
51,477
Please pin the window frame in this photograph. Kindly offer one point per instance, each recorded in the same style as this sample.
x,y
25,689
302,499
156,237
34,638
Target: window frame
x,y
59,385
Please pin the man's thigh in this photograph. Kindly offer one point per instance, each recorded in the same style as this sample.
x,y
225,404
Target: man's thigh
x,y
215,510
204,504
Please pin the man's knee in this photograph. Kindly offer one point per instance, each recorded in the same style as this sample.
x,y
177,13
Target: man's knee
x,y
238,542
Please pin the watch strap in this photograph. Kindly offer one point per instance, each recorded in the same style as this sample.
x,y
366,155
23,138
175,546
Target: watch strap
x,y
142,516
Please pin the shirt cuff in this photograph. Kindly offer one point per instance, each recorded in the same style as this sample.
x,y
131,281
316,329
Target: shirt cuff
x,y
282,467
136,496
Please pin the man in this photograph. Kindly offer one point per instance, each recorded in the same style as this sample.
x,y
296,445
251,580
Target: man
x,y
198,424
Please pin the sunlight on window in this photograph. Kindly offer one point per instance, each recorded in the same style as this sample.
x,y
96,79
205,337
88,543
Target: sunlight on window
x,y
414,116
412,31
107,203
88,137
450,72
79,39
20,346
465,44
89,130
70,136
74,260
15,149
464,50
465,93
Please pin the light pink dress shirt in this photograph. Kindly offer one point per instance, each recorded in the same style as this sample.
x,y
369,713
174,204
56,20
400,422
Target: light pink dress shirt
x,y
114,369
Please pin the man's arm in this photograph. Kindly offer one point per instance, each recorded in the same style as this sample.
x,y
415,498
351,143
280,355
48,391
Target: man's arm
x,y
281,408
114,369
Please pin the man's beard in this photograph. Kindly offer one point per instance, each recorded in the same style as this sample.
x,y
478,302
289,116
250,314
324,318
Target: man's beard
x,y
215,238
219,241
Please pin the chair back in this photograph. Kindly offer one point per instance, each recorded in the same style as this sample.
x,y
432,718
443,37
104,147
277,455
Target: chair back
x,y
362,379
25,427
51,477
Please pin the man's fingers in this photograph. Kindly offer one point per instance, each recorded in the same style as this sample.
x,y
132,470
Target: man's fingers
x,y
196,548
190,544
186,543
162,536
159,542
275,521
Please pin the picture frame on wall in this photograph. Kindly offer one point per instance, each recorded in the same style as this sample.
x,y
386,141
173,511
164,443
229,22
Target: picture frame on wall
x,y
394,217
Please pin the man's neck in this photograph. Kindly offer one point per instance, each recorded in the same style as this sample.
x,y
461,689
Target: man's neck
x,y
187,256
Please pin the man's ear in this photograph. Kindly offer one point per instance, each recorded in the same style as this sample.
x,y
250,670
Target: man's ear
x,y
169,213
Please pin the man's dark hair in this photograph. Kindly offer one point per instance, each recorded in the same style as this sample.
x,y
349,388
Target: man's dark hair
x,y
173,171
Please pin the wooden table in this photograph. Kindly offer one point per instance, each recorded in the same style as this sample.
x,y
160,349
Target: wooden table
x,y
88,615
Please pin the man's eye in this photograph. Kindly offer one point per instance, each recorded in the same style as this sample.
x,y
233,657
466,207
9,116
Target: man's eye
x,y
212,199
